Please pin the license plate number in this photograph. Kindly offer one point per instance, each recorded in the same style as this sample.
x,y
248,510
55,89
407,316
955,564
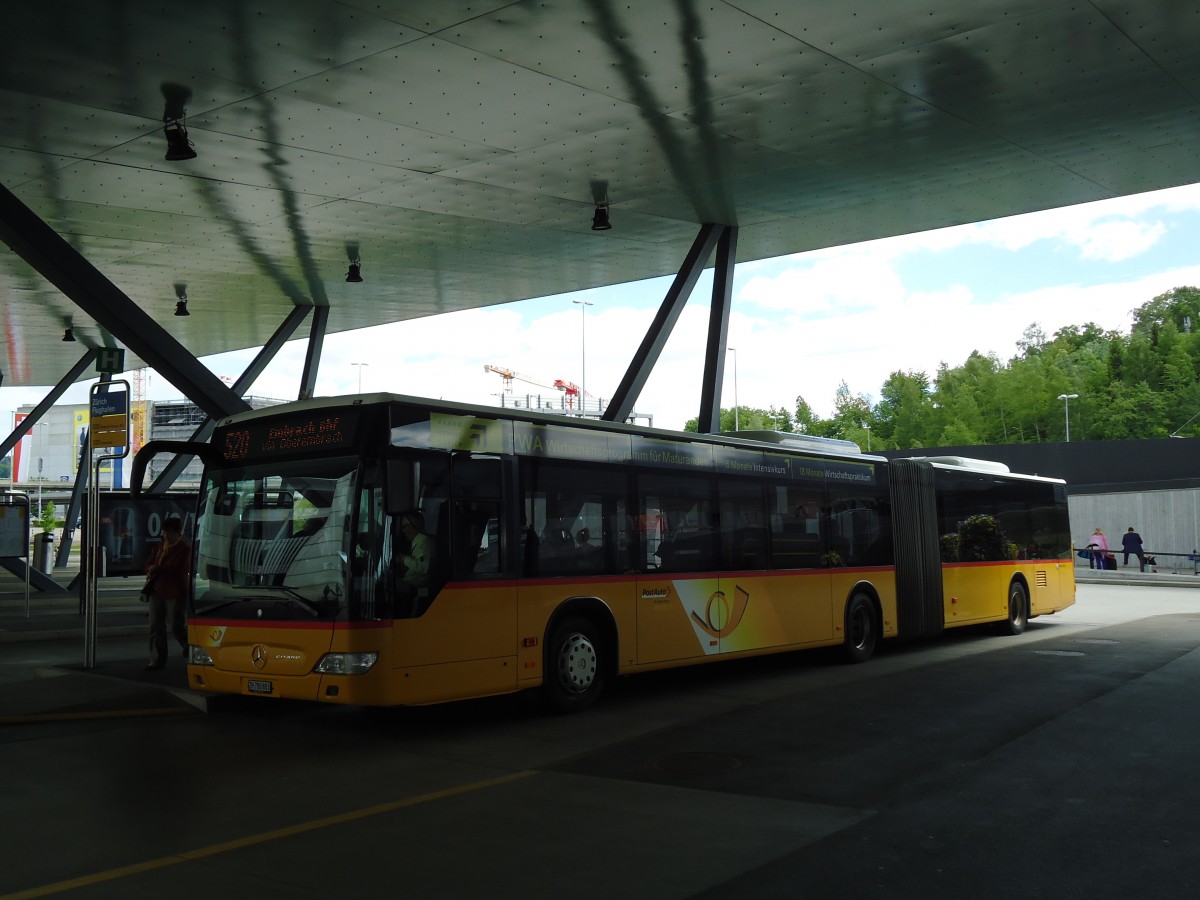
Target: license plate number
x,y
259,687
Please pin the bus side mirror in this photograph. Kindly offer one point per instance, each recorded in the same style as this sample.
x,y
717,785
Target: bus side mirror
x,y
207,452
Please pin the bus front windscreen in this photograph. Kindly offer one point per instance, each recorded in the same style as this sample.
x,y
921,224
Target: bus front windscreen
x,y
271,541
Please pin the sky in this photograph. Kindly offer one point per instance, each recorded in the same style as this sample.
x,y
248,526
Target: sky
x,y
799,325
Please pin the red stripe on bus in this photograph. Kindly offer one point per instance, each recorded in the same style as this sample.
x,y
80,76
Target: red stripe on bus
x,y
306,624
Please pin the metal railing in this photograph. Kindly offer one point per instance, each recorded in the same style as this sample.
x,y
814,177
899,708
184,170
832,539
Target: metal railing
x,y
1172,563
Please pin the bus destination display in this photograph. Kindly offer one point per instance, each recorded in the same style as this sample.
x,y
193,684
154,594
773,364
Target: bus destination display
x,y
319,432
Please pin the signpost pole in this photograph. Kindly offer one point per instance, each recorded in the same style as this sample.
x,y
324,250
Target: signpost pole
x,y
109,429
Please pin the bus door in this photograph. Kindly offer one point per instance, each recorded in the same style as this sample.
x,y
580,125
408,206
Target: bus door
x,y
680,606
455,629
577,542
800,589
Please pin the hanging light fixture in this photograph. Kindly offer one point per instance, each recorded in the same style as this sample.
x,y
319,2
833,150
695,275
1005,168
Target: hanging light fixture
x,y
600,219
354,273
176,97
69,335
181,299
178,145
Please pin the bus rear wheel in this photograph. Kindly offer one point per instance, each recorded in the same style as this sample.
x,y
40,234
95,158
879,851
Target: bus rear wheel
x,y
862,629
575,661
1018,610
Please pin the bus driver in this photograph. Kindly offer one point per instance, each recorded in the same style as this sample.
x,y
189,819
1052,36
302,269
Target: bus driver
x,y
419,559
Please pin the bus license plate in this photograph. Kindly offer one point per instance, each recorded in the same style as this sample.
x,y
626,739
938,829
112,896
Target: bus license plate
x,y
258,687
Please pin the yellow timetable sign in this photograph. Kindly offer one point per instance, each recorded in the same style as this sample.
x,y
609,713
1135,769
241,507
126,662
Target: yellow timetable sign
x,y
110,419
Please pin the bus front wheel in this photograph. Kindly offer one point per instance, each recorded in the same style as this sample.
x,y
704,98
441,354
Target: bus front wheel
x,y
1018,610
574,675
862,629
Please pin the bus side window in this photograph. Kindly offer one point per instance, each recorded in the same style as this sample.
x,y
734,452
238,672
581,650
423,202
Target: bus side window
x,y
475,538
476,526
796,539
682,505
743,532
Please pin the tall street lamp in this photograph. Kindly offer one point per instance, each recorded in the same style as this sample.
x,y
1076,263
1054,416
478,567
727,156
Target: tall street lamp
x,y
1066,399
360,368
583,305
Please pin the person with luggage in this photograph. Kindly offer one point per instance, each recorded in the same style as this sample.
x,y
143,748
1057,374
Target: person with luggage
x,y
1098,544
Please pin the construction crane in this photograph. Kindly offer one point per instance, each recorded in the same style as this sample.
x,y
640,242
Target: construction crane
x,y
137,411
572,391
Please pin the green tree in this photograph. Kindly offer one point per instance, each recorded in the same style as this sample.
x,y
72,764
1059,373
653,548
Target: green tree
x,y
806,421
903,411
47,520
746,418
1179,306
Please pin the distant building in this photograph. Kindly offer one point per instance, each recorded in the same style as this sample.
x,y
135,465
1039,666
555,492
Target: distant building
x,y
49,454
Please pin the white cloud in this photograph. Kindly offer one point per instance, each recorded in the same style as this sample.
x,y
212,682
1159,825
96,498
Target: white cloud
x,y
1118,240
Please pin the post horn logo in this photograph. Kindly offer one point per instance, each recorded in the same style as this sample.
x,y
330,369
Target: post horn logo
x,y
720,619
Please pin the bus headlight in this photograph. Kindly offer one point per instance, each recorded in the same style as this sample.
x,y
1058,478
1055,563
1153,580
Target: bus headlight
x,y
198,656
346,663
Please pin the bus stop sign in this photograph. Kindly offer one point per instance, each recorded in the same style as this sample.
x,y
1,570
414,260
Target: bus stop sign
x,y
110,419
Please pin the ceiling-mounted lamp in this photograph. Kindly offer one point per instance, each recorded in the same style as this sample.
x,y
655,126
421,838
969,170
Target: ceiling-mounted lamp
x,y
178,145
600,220
69,335
181,299
354,273
176,97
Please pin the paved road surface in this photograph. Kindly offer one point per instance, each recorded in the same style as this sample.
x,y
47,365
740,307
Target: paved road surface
x,y
1062,763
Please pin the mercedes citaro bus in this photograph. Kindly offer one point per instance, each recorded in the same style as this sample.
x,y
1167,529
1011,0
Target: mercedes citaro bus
x,y
558,553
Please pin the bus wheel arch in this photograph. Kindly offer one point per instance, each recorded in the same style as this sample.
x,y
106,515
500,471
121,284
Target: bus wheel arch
x,y
1018,607
580,654
863,623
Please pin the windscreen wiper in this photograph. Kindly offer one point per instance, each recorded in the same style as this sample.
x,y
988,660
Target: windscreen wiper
x,y
293,599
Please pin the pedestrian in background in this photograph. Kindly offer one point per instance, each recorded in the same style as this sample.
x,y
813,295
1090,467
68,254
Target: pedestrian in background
x,y
168,572
1098,544
1131,542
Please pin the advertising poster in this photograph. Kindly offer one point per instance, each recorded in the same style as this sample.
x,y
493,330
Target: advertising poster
x,y
130,530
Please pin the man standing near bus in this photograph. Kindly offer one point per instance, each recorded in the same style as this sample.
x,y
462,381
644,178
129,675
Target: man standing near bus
x,y
168,569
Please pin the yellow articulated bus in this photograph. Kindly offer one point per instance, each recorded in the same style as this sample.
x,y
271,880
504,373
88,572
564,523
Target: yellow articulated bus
x,y
387,550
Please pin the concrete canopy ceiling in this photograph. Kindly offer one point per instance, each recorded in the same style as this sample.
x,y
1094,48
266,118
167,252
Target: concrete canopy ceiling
x,y
461,146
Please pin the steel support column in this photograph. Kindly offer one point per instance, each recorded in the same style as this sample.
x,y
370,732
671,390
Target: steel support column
x,y
82,283
282,334
718,333
652,345
312,360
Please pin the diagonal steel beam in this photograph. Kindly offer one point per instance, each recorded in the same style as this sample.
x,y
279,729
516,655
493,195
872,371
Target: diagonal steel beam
x,y
175,467
718,333
48,401
312,360
63,266
652,345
